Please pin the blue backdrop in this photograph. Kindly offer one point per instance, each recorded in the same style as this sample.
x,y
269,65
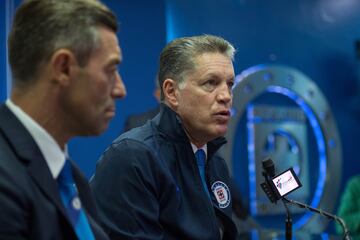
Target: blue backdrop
x,y
315,36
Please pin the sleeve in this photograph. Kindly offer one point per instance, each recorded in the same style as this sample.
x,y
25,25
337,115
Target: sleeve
x,y
13,210
349,209
126,194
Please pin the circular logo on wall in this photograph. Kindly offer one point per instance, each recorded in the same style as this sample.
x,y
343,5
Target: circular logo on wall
x,y
222,193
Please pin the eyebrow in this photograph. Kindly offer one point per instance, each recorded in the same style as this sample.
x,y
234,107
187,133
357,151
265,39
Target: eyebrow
x,y
231,79
114,61
214,75
211,75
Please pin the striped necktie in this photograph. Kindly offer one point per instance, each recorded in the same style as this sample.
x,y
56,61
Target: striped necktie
x,y
72,203
201,162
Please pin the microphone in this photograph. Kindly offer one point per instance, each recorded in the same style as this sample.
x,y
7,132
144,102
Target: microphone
x,y
269,173
269,167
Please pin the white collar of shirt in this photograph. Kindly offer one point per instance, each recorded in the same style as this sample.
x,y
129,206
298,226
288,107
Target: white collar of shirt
x,y
54,156
195,148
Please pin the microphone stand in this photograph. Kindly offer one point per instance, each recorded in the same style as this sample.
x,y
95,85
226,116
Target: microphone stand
x,y
288,222
346,235
267,187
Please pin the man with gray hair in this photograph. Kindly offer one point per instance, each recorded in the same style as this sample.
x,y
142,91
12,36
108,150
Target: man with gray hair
x,y
63,56
164,180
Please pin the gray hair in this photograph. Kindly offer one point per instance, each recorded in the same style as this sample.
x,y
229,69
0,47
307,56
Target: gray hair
x,y
41,27
178,57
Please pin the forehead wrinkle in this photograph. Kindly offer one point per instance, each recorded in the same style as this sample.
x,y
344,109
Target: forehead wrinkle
x,y
217,73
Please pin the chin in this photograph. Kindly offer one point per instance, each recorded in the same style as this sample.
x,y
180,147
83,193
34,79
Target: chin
x,y
95,130
221,131
101,129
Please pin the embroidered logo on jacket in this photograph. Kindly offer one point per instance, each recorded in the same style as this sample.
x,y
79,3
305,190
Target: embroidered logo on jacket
x,y
222,193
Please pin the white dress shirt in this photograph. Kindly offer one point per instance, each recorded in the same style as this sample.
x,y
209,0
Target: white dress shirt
x,y
195,148
54,156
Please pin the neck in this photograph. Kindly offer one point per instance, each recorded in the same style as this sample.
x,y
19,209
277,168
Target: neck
x,y
198,143
40,105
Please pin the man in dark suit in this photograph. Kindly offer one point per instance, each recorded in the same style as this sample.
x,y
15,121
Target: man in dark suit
x,y
63,56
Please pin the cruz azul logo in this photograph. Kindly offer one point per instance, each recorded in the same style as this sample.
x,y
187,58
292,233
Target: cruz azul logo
x,y
222,193
282,184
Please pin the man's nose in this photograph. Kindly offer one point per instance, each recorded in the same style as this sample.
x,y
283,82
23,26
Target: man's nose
x,y
225,94
119,89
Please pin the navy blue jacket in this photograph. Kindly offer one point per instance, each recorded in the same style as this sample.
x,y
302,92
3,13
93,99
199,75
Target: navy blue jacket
x,y
147,185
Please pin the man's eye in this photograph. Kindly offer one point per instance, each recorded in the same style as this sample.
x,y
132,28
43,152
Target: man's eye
x,y
209,85
211,82
230,84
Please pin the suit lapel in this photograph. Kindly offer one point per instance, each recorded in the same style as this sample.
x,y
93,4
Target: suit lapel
x,y
30,155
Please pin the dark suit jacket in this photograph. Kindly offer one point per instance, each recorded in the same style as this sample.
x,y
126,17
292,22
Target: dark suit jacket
x,y
30,205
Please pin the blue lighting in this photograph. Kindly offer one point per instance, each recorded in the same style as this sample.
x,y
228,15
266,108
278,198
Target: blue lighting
x,y
320,143
250,71
254,234
251,151
325,236
170,29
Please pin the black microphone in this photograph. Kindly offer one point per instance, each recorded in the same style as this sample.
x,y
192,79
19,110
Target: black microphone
x,y
268,172
269,167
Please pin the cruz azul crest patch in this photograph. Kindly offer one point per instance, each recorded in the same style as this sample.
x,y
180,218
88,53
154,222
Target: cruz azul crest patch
x,y
222,193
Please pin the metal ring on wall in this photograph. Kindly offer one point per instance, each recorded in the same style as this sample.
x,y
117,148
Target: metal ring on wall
x,y
303,91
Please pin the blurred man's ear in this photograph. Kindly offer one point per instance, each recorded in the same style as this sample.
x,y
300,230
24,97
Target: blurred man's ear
x,y
169,88
61,63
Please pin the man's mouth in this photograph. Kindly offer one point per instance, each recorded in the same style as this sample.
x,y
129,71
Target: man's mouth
x,y
223,115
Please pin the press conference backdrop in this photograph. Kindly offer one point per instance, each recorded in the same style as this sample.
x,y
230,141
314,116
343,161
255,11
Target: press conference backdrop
x,y
314,37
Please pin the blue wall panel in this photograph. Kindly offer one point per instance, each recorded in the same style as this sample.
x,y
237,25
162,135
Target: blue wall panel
x,y
142,36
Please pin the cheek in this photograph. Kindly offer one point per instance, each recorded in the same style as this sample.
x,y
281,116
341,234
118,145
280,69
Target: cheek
x,y
190,106
101,88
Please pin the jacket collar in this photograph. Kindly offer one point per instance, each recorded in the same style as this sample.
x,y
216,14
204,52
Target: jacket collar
x,y
169,124
18,137
29,154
